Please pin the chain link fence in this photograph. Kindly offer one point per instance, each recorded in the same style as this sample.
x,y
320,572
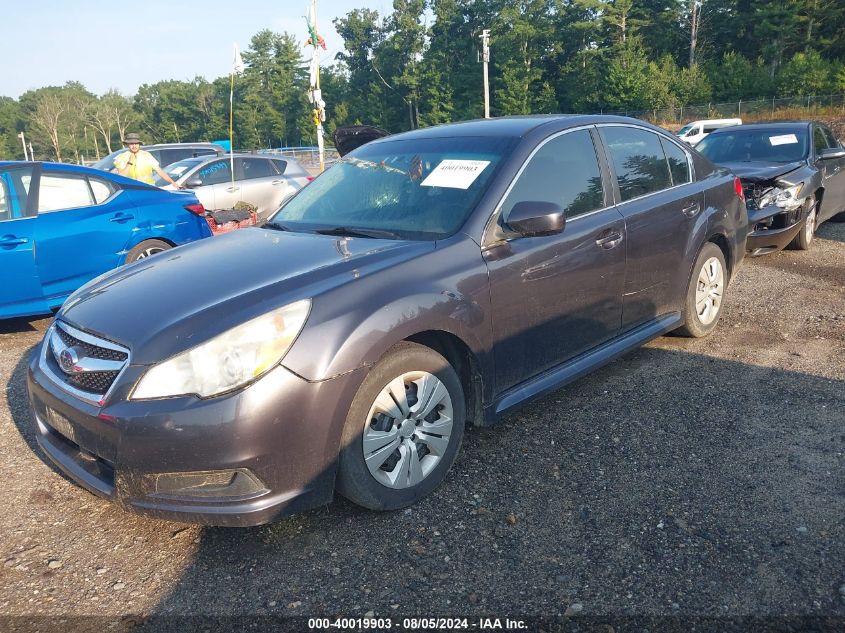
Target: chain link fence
x,y
756,109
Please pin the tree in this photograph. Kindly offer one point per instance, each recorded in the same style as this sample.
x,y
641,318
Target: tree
x,y
805,74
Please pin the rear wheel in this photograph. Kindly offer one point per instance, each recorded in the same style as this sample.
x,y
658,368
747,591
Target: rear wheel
x,y
705,292
802,241
145,249
403,430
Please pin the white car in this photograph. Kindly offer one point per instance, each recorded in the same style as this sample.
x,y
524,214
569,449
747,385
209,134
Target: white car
x,y
694,131
263,181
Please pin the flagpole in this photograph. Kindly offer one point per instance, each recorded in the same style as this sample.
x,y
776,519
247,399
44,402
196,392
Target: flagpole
x,y
231,126
315,95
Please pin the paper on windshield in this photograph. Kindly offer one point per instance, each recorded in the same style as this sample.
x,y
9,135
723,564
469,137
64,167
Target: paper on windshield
x,y
178,171
455,174
783,139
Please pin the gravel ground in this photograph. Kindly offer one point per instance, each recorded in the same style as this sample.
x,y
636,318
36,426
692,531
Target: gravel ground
x,y
689,478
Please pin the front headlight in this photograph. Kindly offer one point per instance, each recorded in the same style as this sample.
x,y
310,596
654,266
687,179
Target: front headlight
x,y
783,196
229,360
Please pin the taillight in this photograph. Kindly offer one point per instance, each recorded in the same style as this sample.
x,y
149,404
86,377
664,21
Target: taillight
x,y
196,208
310,178
738,188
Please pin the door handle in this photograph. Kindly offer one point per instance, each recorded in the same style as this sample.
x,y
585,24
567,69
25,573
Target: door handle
x,y
608,239
278,182
233,189
691,210
12,240
122,217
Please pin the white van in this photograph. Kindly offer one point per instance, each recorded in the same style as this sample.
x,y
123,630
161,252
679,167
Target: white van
x,y
693,132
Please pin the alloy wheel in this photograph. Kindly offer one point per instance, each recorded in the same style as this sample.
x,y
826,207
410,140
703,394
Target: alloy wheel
x,y
810,225
709,290
148,252
407,430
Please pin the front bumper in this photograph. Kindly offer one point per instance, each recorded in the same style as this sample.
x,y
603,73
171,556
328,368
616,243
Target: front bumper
x,y
278,438
771,228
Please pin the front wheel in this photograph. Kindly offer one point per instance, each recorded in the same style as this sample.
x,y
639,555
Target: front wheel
x,y
145,249
705,292
802,241
403,430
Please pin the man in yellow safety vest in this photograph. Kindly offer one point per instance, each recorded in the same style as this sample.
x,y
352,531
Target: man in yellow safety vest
x,y
137,163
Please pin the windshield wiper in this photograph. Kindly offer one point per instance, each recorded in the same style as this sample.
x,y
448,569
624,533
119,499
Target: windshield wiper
x,y
274,226
352,231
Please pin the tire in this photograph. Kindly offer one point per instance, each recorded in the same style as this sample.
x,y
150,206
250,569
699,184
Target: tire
x,y
387,412
705,292
146,249
804,239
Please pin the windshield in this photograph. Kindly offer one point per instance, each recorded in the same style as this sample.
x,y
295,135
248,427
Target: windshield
x,y
743,146
416,189
178,169
685,129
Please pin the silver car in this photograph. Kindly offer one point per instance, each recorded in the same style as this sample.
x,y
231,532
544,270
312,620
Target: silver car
x,y
259,180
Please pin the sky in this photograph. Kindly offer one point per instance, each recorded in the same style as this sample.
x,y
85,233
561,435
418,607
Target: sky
x,y
121,45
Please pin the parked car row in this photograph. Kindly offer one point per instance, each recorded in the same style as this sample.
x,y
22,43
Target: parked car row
x,y
428,280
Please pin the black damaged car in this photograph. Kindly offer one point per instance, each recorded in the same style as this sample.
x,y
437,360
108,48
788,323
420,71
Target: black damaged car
x,y
793,175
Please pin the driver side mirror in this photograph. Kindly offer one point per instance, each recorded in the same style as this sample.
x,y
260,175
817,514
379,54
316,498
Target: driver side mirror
x,y
831,152
534,218
194,181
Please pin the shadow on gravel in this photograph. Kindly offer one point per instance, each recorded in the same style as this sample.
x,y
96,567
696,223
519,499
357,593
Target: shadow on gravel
x,y
17,400
831,230
26,324
668,483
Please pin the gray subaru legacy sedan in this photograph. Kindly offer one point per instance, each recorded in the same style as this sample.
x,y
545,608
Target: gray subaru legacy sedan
x,y
427,281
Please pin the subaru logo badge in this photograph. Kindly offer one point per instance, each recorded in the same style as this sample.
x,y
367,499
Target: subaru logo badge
x,y
68,359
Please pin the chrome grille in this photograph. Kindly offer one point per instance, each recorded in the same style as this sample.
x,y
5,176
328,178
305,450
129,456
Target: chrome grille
x,y
91,351
82,364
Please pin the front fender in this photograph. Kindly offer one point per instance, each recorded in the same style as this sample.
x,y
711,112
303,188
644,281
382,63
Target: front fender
x,y
354,325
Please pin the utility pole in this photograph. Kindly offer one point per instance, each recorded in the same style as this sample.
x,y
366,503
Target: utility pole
x,y
485,57
23,142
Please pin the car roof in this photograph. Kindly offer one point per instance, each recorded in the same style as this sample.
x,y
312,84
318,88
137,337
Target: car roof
x,y
769,125
51,165
512,126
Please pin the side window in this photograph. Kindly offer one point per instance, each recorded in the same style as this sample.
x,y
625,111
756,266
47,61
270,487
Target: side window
x,y
832,141
63,192
170,156
14,192
257,168
678,162
564,171
281,165
202,152
215,173
819,140
101,189
638,161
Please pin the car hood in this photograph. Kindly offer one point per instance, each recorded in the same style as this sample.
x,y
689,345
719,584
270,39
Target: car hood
x,y
758,171
168,303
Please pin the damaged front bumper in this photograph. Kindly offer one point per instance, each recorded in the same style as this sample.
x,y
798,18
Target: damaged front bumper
x,y
772,227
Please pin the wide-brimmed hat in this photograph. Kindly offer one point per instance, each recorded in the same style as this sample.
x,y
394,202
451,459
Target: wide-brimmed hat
x,y
132,137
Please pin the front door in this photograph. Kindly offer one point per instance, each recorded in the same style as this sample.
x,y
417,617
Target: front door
x,y
833,174
556,296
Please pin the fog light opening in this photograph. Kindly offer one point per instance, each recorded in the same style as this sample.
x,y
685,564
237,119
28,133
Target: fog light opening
x,y
209,484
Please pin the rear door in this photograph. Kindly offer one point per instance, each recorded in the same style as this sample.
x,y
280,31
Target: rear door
x,y
262,185
20,292
217,187
660,206
556,296
84,225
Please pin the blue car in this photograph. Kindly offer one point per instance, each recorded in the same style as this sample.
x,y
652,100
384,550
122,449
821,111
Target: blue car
x,y
62,225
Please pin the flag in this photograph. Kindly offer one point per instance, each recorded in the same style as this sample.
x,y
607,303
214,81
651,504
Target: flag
x,y
237,62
